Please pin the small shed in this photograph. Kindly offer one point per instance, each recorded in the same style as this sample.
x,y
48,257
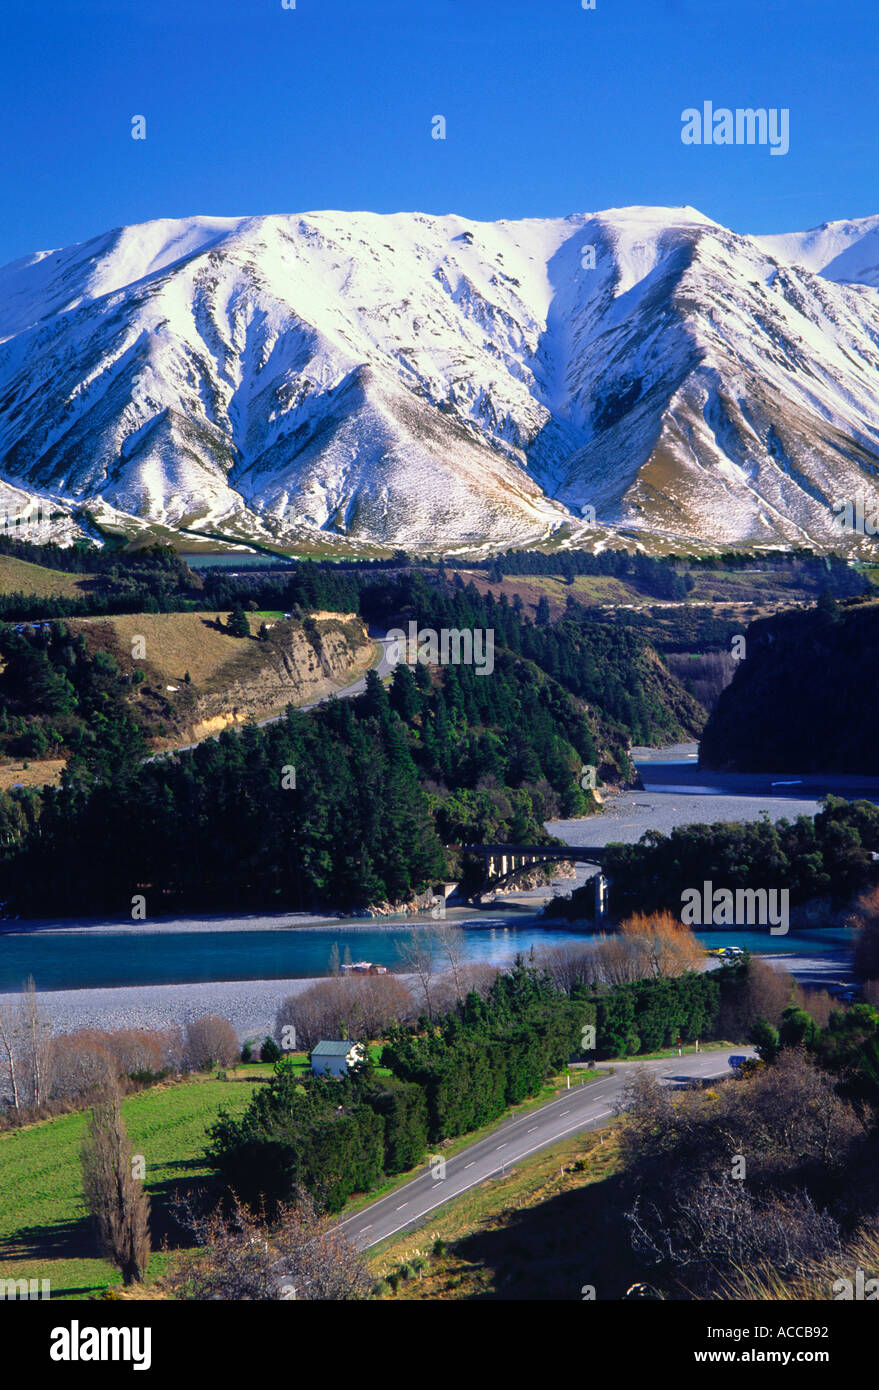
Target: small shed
x,y
335,1058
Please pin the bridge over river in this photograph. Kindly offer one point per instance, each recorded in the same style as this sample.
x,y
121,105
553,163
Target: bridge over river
x,y
501,861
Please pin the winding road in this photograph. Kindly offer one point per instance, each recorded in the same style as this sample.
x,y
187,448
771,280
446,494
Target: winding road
x,y
583,1107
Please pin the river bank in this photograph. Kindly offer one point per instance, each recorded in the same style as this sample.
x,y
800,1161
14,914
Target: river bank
x,y
676,791
262,953
249,1005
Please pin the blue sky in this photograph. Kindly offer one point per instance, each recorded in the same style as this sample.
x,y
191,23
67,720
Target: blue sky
x,y
253,108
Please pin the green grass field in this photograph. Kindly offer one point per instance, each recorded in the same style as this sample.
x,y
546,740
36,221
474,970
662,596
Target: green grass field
x,y
44,1230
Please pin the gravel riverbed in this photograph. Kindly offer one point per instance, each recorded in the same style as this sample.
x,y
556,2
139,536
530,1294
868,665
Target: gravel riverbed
x,y
249,1005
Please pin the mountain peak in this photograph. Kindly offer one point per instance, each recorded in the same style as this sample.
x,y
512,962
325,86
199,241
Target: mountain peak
x,y
430,380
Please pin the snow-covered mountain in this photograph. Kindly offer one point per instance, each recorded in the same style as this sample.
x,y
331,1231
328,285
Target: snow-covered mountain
x,y
432,382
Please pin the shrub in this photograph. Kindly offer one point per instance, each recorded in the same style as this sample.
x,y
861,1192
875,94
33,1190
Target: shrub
x,y
210,1042
356,1007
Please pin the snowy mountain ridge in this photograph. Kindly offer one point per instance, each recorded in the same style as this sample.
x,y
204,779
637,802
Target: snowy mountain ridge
x,y
359,379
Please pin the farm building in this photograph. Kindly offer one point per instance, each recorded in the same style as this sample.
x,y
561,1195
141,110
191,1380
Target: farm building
x,y
336,1057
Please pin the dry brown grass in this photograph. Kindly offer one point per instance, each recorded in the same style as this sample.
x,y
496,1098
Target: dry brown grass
x,y
531,1205
588,589
178,642
821,1282
20,576
36,774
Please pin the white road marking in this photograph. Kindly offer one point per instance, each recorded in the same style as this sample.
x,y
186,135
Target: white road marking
x,y
586,1119
547,1109
443,1200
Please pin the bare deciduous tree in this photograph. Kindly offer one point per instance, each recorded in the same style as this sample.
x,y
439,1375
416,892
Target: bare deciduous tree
x,y
696,1210
720,1221
115,1198
418,956
767,994
476,978
359,1007
8,1045
146,1049
568,966
81,1062
871,993
210,1042
36,1043
435,955
866,921
648,946
90,1058
301,1255
662,946
614,962
818,1004
448,945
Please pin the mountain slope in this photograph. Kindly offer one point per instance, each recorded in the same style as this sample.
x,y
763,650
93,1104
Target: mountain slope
x,y
805,699
845,251
433,382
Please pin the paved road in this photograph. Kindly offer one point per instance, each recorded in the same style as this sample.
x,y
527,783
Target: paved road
x,y
581,1108
386,663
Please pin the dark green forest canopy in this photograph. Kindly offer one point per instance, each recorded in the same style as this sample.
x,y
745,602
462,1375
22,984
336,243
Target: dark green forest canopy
x,y
611,668
380,783
445,756
56,697
828,855
806,699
